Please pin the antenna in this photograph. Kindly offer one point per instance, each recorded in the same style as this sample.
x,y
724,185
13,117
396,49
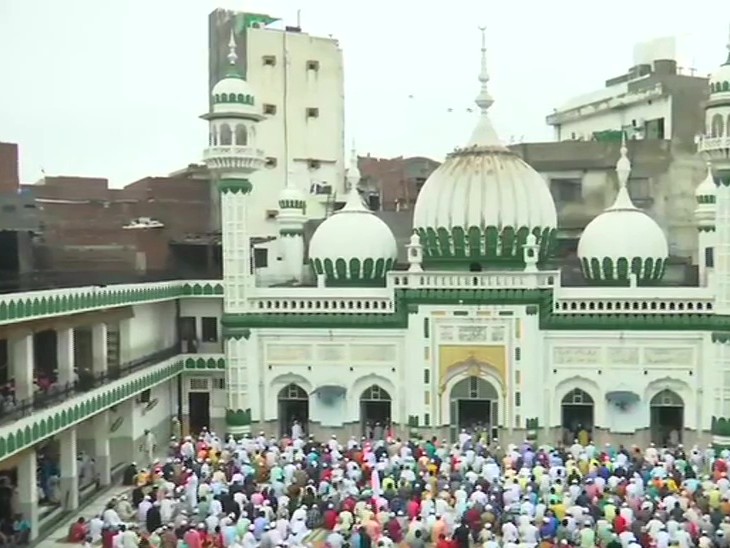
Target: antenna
x,y
299,19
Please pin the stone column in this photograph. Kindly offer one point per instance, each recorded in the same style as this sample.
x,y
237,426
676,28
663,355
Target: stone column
x,y
69,470
66,359
28,491
98,347
22,364
102,447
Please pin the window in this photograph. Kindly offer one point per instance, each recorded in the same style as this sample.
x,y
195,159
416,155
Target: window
x,y
226,137
199,384
188,329
426,328
260,257
518,377
313,164
313,65
269,109
219,384
518,399
312,112
566,190
518,354
271,161
241,135
145,397
710,257
426,376
654,129
210,329
716,129
427,419
272,214
269,60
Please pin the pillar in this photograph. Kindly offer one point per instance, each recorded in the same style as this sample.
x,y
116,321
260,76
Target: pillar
x,y
65,352
102,447
98,348
28,491
69,470
22,364
125,340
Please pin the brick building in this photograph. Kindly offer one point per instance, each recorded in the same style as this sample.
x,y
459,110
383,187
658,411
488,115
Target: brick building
x,y
393,183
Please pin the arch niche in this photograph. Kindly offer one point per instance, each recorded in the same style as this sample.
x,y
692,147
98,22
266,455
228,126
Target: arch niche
x,y
375,412
666,418
293,408
577,415
474,407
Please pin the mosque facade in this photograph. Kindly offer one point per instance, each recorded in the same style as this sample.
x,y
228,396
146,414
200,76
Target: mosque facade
x,y
476,331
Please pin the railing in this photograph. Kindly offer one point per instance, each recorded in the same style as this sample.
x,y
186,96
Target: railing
x,y
481,280
87,381
713,143
341,305
217,151
49,279
618,305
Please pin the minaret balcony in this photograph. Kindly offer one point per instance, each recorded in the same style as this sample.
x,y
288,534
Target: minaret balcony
x,y
708,144
234,157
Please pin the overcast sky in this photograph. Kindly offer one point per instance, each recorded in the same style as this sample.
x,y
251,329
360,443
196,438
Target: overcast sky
x,y
114,88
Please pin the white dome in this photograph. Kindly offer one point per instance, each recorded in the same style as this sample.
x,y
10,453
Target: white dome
x,y
623,240
707,189
233,94
479,206
720,79
353,245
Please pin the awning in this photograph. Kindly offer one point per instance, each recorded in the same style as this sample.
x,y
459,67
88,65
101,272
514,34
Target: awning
x,y
622,397
330,391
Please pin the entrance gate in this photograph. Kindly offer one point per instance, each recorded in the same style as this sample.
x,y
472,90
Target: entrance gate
x,y
293,406
577,415
375,412
666,421
474,408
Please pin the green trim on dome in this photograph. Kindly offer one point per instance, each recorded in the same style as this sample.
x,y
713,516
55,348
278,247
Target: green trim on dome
x,y
720,87
488,246
291,232
706,199
706,228
234,186
723,180
605,272
292,204
368,273
238,417
225,98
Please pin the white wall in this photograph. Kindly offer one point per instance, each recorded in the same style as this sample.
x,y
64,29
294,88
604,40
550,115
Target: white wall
x,y
200,308
153,328
319,138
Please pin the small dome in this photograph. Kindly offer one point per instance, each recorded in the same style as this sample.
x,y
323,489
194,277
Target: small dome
x,y
720,79
479,206
233,93
707,189
353,246
623,239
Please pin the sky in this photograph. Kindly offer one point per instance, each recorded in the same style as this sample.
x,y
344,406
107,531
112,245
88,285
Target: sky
x,y
115,88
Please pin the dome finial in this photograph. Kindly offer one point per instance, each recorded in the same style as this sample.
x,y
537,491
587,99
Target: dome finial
x,y
232,55
623,170
728,47
484,99
353,171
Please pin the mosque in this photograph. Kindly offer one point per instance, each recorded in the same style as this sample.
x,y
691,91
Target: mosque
x,y
477,328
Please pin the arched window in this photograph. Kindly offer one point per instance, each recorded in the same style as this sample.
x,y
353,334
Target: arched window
x,y
226,135
241,136
717,126
726,86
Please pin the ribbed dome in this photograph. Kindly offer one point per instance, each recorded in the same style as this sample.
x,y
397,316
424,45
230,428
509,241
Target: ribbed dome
x,y
479,206
353,246
623,240
705,193
233,93
720,79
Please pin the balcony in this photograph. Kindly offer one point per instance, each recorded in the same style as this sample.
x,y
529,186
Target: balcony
x,y
708,144
234,157
86,383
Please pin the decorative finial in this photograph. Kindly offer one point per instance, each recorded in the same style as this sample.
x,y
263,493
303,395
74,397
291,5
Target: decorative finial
x,y
623,166
353,170
728,47
232,55
484,99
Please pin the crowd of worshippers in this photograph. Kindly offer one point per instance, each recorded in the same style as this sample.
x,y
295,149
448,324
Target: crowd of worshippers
x,y
265,492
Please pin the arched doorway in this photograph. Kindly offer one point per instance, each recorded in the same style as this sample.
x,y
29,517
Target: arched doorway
x,y
375,412
293,406
577,414
474,407
666,420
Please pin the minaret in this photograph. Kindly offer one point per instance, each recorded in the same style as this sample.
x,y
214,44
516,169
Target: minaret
x,y
232,157
291,219
705,194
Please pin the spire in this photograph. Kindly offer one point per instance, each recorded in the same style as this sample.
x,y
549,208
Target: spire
x,y
728,47
623,170
354,201
484,134
232,55
353,171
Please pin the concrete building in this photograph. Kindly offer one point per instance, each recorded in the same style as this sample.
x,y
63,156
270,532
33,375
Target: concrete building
x,y
300,79
392,184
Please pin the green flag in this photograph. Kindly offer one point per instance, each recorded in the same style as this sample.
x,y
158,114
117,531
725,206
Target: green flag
x,y
255,20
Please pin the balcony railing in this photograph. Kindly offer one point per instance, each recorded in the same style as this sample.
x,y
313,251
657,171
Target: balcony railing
x,y
87,381
713,143
49,279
